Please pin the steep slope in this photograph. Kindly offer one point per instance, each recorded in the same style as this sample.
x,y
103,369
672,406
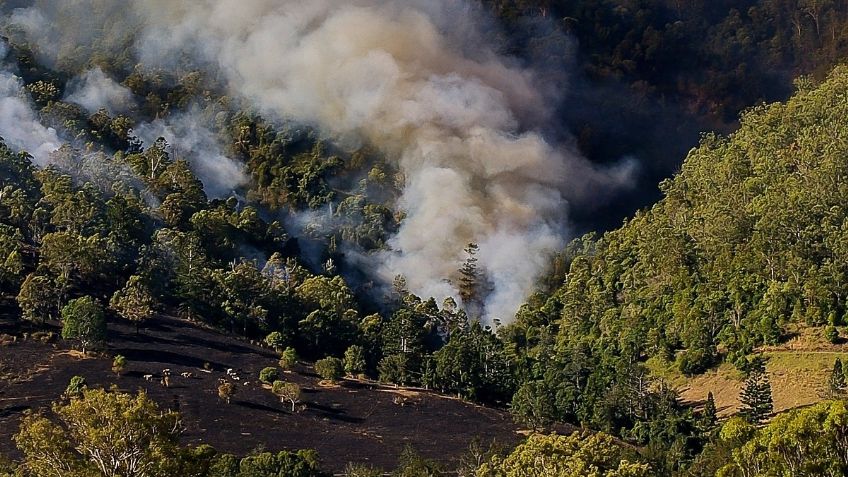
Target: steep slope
x,y
352,422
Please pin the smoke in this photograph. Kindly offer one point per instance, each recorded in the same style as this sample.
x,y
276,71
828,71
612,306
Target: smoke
x,y
448,109
422,82
94,91
195,143
19,123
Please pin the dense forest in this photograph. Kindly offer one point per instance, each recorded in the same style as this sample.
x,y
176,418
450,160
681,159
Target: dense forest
x,y
131,190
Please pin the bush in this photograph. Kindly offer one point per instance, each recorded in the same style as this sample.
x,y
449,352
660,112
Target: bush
x,y
330,368
119,364
75,386
288,358
275,339
226,391
269,375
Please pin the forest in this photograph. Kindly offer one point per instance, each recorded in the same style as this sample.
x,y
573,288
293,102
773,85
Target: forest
x,y
560,210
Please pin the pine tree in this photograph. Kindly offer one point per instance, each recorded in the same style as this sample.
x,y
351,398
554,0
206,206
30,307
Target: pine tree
x,y
709,418
756,397
469,280
836,383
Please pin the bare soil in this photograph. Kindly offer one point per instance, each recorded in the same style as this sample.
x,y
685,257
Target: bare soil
x,y
355,421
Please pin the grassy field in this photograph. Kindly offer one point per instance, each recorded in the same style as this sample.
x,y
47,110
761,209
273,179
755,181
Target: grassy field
x,y
798,378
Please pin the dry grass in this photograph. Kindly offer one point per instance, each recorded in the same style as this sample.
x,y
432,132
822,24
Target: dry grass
x,y
798,378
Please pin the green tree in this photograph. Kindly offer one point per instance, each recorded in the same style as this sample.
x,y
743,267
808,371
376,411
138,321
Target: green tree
x,y
756,397
276,340
836,382
330,368
37,298
288,358
83,319
354,360
133,302
287,392
578,454
533,405
395,369
101,433
269,375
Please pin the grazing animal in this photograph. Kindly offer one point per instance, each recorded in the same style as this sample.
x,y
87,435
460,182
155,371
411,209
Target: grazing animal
x,y
187,375
236,378
148,377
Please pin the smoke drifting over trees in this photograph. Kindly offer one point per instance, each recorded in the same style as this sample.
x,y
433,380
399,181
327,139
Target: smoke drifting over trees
x,y
419,81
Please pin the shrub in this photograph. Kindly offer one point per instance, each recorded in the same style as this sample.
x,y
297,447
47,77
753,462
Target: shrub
x,y
330,368
119,364
226,390
269,375
288,358
75,386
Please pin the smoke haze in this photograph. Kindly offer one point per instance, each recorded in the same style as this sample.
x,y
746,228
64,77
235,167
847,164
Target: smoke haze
x,y
94,91
421,82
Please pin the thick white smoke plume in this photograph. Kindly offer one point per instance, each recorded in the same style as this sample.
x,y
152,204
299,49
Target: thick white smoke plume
x,y
448,111
19,124
94,91
417,79
191,141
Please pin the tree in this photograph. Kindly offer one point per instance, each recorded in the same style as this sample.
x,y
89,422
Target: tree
x,y
134,301
831,334
83,319
269,375
37,298
394,368
226,391
354,360
532,405
288,358
756,397
104,433
469,281
276,340
287,392
330,368
709,416
836,383
578,454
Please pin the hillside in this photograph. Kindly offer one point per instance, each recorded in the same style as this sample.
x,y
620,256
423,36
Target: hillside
x,y
354,421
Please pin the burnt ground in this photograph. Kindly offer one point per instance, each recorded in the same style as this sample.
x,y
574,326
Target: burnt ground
x,y
352,422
